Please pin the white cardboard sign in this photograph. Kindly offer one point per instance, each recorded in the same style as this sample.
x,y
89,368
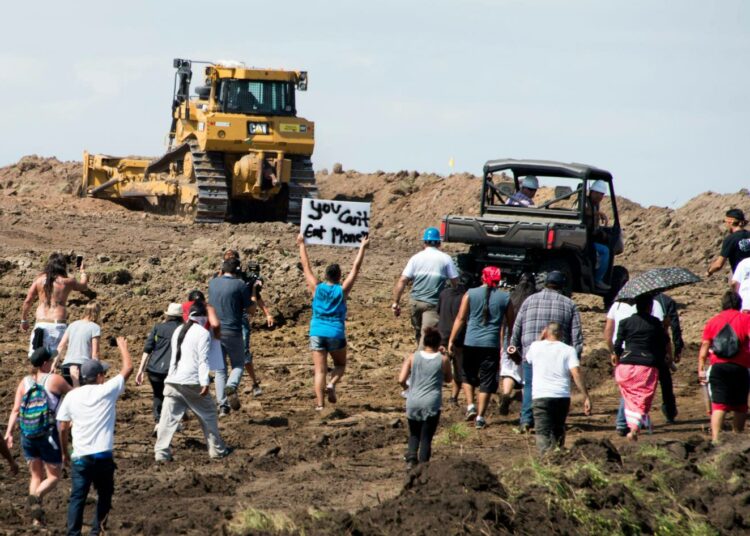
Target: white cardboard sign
x,y
334,223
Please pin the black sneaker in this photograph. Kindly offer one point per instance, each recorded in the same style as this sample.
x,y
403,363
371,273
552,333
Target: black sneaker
x,y
223,411
480,423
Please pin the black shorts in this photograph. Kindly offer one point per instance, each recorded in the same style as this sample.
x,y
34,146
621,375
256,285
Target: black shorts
x,y
481,366
729,384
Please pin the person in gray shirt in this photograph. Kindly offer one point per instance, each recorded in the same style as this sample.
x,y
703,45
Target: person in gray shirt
x,y
80,342
231,298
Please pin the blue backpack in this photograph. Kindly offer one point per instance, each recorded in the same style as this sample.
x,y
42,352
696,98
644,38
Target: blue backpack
x,y
35,418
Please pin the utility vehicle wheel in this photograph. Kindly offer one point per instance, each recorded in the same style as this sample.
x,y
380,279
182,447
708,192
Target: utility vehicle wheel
x,y
551,265
620,276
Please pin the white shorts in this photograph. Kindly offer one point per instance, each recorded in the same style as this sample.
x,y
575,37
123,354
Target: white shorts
x,y
53,334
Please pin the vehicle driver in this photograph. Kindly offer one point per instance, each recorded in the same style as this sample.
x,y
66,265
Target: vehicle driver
x,y
599,220
525,196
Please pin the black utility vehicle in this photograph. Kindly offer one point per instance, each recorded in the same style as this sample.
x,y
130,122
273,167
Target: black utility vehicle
x,y
557,233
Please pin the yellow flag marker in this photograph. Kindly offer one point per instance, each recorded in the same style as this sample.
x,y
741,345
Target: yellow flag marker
x,y
451,163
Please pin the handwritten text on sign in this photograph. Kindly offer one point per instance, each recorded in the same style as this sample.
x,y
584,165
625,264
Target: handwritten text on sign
x,y
334,223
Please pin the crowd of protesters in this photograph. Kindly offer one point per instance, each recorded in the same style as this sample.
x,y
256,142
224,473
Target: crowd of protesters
x,y
479,335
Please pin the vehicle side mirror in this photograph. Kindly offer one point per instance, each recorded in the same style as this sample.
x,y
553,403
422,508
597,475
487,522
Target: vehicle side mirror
x,y
302,81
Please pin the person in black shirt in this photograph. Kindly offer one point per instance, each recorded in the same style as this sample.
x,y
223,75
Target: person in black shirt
x,y
640,349
449,302
157,353
736,246
669,403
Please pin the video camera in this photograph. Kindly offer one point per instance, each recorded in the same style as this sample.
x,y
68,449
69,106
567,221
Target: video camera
x,y
251,274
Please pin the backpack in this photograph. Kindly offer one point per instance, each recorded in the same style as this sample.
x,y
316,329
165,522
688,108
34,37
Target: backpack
x,y
726,344
35,417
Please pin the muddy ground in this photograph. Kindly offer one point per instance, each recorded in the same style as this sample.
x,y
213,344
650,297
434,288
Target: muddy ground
x,y
342,471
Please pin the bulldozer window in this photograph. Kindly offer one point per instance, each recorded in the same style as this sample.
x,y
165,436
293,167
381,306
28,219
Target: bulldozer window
x,y
259,97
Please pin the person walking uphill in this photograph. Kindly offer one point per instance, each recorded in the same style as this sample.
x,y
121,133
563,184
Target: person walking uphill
x,y
52,287
81,342
157,353
327,326
89,411
427,271
727,375
483,309
186,386
547,305
640,347
426,371
37,399
736,246
232,299
554,363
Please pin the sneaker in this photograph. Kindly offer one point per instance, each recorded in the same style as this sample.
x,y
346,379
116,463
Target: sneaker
x,y
223,411
331,392
505,405
410,464
471,412
622,432
257,391
232,398
480,423
526,428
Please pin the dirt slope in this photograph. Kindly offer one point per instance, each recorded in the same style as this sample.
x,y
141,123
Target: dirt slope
x,y
342,472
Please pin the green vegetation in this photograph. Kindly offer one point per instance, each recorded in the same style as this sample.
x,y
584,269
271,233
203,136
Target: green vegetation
x,y
455,433
251,521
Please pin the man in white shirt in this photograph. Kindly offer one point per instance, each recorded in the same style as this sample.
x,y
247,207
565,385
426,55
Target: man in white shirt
x,y
427,271
741,278
186,386
554,362
90,412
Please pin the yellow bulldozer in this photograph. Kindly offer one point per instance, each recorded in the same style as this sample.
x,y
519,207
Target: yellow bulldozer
x,y
237,150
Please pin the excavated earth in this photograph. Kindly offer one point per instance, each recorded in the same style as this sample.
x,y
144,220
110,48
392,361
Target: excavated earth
x,y
342,472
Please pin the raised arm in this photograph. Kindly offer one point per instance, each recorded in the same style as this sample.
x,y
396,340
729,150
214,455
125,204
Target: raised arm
x,y
127,363
83,284
349,281
310,278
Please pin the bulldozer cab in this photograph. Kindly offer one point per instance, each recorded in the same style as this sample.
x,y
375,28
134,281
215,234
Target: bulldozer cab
x,y
256,97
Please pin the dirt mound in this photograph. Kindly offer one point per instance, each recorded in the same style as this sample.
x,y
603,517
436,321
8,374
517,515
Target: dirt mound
x,y
40,176
443,497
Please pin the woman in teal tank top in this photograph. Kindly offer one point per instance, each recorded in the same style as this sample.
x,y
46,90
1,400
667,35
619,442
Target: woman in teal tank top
x,y
327,326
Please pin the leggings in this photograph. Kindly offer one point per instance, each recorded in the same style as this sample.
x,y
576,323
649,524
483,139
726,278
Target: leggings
x,y
420,439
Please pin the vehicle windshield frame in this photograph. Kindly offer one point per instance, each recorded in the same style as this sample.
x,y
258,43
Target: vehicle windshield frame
x,y
224,85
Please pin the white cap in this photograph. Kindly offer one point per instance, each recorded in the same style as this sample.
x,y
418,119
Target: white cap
x,y
174,309
599,186
530,182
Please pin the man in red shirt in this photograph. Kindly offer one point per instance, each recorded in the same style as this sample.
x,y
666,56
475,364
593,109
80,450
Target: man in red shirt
x,y
727,377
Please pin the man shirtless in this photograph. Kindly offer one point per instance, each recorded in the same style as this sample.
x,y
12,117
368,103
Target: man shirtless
x,y
52,287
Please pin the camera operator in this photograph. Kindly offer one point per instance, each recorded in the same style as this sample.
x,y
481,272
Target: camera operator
x,y
252,278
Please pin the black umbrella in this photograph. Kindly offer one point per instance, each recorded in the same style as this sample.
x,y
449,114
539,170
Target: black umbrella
x,y
656,280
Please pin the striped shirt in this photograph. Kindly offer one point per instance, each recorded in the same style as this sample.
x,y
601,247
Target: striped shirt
x,y
538,311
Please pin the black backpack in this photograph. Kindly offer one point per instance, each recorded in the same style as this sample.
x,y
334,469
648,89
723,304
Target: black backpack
x,y
726,344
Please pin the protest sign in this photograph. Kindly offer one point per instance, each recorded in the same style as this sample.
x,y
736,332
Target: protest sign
x,y
334,223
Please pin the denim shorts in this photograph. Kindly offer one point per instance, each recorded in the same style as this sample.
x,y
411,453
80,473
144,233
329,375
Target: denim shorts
x,y
326,344
45,448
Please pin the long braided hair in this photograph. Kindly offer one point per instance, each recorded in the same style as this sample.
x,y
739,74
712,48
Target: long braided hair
x,y
197,309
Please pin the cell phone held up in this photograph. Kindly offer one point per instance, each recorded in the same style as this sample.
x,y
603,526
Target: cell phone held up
x,y
112,341
79,261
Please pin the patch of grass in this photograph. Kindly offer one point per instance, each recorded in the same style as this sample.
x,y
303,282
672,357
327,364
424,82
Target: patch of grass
x,y
598,478
253,520
709,470
455,433
141,291
658,453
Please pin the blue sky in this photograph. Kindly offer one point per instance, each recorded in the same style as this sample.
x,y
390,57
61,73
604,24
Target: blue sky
x,y
655,91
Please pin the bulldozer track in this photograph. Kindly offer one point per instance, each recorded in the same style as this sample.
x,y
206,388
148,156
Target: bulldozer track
x,y
301,185
211,180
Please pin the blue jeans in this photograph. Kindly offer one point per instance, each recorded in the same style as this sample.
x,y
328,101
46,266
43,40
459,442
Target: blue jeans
x,y
527,412
234,348
620,422
602,262
246,338
85,471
